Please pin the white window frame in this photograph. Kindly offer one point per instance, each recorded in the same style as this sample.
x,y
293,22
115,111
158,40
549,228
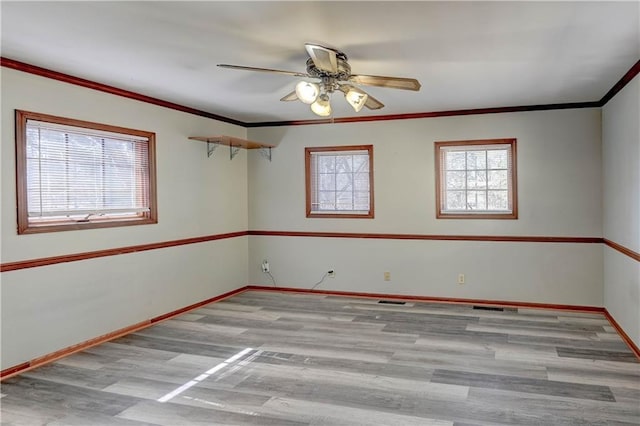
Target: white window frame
x,y
78,218
441,150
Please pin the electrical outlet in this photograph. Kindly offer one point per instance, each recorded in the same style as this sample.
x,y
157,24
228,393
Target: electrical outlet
x,y
387,276
265,266
331,273
460,278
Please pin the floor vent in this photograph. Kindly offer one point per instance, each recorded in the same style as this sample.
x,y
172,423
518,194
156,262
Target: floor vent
x,y
488,308
391,302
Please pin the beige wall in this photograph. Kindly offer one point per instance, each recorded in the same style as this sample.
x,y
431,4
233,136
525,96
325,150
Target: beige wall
x,y
559,174
559,183
621,166
560,180
48,308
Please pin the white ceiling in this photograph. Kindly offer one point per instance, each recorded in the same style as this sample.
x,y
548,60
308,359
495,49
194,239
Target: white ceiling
x,y
465,54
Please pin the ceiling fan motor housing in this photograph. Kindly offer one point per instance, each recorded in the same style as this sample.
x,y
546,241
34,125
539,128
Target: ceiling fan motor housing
x,y
343,73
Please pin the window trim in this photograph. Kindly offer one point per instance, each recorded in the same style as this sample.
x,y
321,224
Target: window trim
x,y
307,165
24,227
513,194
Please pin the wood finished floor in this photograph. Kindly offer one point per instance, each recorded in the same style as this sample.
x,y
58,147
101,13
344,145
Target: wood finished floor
x,y
265,358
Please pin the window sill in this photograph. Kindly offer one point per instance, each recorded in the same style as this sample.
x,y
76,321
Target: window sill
x,y
340,215
485,216
33,228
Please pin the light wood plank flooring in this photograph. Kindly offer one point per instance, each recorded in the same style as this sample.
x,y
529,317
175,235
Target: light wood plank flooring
x,y
267,358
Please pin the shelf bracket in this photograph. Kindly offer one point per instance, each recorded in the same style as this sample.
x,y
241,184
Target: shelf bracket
x,y
266,153
235,145
233,151
211,147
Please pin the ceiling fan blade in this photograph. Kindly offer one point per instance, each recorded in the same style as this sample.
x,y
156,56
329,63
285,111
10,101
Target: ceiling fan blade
x,y
240,67
324,58
373,103
390,82
290,97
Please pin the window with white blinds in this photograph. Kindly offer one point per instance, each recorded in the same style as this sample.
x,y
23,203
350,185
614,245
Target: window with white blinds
x,y
476,179
339,181
74,174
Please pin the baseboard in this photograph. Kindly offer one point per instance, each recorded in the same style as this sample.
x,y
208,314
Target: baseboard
x,y
46,359
634,348
484,302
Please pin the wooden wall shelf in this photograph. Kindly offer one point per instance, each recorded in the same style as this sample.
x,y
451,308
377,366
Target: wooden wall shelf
x,y
232,141
234,144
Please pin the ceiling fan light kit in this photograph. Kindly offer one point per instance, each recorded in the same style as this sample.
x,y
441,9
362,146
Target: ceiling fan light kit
x,y
307,92
356,98
322,106
330,66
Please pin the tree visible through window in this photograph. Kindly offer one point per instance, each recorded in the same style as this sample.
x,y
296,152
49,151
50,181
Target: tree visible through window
x,y
339,181
74,174
476,179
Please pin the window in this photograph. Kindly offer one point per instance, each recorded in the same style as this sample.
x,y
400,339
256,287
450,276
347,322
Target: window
x,y
476,179
339,181
74,174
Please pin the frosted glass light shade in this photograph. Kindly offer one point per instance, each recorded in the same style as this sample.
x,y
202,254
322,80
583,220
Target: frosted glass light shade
x,y
307,92
321,106
356,98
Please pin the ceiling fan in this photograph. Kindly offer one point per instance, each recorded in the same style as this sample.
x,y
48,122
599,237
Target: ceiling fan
x,y
330,66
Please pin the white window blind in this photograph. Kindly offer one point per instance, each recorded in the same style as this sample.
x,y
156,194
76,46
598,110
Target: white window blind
x,y
340,182
84,174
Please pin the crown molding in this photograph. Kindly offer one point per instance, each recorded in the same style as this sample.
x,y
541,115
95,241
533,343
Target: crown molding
x,y
433,114
633,71
55,75
66,78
